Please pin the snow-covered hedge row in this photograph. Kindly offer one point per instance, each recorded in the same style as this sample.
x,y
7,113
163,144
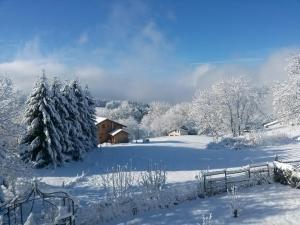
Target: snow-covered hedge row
x,y
252,140
127,194
286,174
108,210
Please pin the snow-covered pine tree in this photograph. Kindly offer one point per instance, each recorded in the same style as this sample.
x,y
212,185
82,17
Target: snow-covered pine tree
x,y
41,142
61,105
82,107
86,110
91,119
76,148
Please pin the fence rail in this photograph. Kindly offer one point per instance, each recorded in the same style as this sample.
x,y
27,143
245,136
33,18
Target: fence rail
x,y
216,181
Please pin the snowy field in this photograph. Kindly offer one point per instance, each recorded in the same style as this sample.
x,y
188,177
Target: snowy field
x,y
183,157
261,205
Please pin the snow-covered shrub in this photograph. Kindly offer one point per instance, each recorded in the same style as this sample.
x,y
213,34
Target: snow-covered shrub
x,y
200,183
154,178
107,210
263,139
75,180
235,143
259,178
119,182
253,139
207,219
286,174
234,201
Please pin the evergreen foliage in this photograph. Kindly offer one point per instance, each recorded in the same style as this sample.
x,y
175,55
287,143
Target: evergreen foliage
x,y
60,124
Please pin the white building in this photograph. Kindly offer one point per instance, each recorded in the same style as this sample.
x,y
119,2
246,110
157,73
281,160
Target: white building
x,y
178,132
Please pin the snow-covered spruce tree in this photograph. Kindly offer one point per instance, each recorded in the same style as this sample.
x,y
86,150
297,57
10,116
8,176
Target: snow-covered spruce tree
x,y
286,94
76,148
86,117
91,118
41,142
60,104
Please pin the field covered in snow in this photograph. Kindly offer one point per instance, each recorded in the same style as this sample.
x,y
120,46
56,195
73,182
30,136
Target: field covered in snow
x,y
183,158
261,205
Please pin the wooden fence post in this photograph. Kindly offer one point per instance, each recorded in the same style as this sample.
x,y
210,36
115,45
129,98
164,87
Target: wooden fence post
x,y
249,172
225,173
204,183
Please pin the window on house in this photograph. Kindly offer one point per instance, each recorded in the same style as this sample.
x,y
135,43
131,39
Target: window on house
x,y
103,125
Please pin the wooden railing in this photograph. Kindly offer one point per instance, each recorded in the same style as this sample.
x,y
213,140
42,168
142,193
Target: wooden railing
x,y
217,181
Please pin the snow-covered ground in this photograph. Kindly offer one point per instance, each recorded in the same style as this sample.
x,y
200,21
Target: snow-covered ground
x,y
261,205
183,157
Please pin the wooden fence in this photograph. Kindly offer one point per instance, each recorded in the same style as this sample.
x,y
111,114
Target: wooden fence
x,y
218,181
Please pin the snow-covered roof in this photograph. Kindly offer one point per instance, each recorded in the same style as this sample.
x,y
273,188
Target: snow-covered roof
x,y
100,119
114,132
271,123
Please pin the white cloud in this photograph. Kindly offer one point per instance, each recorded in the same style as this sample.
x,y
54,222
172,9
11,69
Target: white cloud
x,y
136,60
133,78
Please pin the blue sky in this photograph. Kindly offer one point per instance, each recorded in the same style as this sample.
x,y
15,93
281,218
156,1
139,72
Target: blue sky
x,y
146,44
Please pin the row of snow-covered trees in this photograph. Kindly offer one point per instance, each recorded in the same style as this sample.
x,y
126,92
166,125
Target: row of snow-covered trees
x,y
60,121
229,106
153,119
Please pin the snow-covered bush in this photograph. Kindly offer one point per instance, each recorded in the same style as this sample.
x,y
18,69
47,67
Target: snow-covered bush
x,y
235,143
75,180
154,178
119,182
139,202
234,201
263,139
200,183
207,219
253,139
286,174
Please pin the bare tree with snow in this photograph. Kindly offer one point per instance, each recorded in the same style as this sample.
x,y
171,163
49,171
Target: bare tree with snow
x,y
152,121
227,107
11,167
286,94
